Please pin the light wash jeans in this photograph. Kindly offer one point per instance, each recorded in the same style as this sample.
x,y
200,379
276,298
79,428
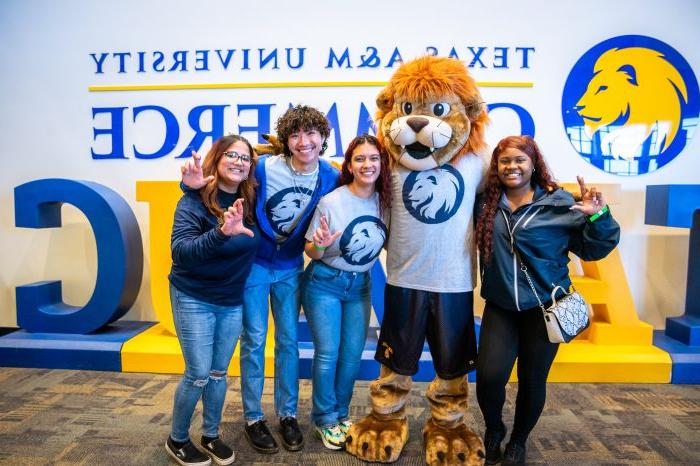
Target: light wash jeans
x,y
337,306
207,334
282,289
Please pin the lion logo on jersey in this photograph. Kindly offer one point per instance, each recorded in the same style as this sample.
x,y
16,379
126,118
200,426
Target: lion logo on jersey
x,y
362,240
433,196
638,90
284,207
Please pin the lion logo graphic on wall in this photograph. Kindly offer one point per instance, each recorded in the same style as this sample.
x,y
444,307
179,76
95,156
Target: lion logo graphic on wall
x,y
630,105
362,240
433,196
639,87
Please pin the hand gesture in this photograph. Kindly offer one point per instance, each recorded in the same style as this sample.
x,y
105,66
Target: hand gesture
x,y
192,174
323,237
233,221
591,199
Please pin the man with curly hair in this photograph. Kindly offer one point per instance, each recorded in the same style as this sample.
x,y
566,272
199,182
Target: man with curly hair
x,y
290,185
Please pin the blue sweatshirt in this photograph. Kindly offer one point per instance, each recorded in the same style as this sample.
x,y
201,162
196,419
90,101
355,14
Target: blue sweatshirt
x,y
288,254
207,264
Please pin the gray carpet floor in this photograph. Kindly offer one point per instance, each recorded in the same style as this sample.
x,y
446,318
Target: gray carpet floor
x,y
65,417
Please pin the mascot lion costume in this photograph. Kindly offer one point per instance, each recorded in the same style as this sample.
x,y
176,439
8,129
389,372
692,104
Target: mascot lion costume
x,y
431,119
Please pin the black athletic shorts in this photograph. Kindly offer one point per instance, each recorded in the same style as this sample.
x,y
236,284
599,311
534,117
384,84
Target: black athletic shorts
x,y
446,320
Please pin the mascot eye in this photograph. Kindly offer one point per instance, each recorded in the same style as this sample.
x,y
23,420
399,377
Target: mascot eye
x,y
407,108
601,89
443,108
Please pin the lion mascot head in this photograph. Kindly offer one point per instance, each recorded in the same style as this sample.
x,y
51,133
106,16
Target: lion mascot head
x,y
430,113
636,91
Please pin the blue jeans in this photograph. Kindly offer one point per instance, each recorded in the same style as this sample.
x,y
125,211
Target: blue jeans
x,y
282,288
207,334
337,306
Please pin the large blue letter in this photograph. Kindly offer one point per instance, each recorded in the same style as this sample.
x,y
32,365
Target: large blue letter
x,y
527,124
40,307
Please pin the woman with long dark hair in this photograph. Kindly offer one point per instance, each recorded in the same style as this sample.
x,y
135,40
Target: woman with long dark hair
x,y
346,234
527,225
214,241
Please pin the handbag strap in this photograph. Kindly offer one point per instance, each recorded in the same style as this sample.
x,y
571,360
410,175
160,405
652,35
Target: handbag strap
x,y
523,267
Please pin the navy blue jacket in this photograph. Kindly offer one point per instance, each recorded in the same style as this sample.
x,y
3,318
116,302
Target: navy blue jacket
x,y
207,264
543,232
288,254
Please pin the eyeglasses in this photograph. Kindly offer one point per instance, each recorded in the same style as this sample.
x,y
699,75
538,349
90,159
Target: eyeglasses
x,y
234,156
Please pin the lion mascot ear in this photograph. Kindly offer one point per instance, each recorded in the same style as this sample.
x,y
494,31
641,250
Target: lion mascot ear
x,y
385,100
273,147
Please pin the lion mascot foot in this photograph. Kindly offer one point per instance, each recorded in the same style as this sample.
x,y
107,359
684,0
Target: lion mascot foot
x,y
446,437
381,435
377,440
452,445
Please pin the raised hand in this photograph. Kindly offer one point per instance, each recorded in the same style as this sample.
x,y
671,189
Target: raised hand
x,y
233,221
591,199
323,236
192,174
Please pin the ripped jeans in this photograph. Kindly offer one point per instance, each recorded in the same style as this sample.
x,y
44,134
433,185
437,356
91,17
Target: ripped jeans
x,y
207,334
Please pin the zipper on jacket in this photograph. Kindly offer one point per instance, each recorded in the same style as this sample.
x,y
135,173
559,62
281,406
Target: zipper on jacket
x,y
511,234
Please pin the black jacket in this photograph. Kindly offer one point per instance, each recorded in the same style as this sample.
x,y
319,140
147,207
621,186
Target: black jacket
x,y
543,232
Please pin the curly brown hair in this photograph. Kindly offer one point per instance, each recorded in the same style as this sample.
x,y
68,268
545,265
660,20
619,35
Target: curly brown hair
x,y
494,188
383,184
302,118
246,189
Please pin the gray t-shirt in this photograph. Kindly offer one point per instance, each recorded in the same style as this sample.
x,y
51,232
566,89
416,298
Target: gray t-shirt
x,y
287,195
364,231
431,243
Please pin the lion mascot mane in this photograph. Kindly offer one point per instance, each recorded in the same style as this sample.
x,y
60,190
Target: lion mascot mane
x,y
431,119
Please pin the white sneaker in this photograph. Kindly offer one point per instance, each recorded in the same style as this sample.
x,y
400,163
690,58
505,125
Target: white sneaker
x,y
345,426
332,437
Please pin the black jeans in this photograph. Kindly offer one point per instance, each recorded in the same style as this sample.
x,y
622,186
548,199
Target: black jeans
x,y
505,335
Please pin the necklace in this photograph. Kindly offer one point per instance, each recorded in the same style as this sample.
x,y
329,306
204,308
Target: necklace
x,y
303,184
290,164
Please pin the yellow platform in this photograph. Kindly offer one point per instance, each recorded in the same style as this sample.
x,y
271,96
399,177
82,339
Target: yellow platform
x,y
157,350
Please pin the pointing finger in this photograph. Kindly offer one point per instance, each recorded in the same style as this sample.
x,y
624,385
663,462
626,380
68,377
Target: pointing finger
x,y
582,185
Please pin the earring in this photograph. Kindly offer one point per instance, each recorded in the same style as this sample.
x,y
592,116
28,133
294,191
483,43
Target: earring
x,y
533,170
324,146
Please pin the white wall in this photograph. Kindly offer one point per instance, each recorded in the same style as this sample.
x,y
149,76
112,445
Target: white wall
x,y
46,120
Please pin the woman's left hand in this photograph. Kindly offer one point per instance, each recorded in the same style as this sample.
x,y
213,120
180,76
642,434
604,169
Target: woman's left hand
x,y
233,221
591,199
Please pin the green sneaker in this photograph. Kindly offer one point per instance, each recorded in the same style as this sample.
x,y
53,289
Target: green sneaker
x,y
345,426
332,437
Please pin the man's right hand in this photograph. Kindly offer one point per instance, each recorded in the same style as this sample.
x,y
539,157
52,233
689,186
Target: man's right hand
x,y
192,174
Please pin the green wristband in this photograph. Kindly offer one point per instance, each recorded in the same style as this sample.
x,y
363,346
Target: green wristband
x,y
598,214
319,248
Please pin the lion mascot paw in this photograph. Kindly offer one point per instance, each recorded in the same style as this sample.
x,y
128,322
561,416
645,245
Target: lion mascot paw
x,y
273,147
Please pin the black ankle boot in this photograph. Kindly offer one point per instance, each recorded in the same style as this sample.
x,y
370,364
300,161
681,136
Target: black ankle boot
x,y
515,454
492,442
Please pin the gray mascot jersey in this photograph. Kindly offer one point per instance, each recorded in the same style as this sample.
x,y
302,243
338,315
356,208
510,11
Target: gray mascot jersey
x,y
364,232
286,195
432,227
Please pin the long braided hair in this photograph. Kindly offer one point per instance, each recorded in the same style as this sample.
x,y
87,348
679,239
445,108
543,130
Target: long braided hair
x,y
494,188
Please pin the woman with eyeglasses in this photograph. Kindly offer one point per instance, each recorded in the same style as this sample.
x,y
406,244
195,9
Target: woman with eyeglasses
x,y
347,232
214,241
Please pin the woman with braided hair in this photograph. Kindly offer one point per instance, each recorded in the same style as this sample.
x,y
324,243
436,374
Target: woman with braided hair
x,y
525,220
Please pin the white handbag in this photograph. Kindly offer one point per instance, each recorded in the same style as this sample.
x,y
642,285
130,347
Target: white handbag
x,y
566,317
